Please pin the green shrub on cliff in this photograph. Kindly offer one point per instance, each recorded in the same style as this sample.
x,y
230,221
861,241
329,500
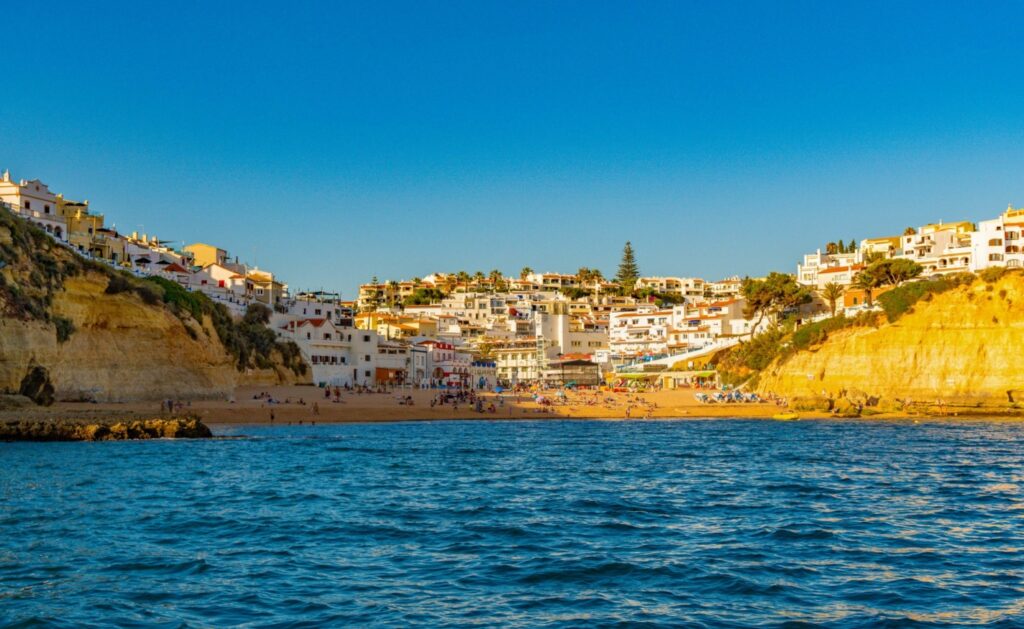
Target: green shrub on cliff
x,y
180,300
816,333
899,301
65,328
33,268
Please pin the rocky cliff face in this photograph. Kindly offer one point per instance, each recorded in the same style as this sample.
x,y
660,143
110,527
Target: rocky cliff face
x,y
58,315
962,348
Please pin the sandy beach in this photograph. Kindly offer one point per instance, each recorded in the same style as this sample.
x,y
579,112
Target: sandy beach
x,y
305,404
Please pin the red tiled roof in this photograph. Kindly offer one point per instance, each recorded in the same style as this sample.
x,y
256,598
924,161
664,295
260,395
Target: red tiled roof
x,y
840,269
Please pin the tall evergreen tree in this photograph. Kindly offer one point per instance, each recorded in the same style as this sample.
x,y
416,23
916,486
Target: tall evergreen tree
x,y
629,272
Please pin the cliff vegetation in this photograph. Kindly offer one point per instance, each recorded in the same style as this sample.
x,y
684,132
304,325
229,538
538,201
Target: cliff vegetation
x,y
947,345
75,329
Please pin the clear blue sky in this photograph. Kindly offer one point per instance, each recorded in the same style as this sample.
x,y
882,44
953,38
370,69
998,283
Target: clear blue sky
x,y
334,142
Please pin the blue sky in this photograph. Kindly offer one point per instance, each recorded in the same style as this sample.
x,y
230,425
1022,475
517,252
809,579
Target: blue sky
x,y
332,142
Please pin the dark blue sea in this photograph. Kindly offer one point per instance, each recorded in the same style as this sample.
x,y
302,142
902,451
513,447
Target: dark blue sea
x,y
521,524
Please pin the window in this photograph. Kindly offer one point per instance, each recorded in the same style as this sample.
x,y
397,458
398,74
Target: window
x,y
366,338
317,311
308,336
995,257
327,336
995,242
28,205
366,373
46,209
366,358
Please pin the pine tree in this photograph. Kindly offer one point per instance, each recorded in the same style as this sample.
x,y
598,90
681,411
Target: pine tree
x,y
629,272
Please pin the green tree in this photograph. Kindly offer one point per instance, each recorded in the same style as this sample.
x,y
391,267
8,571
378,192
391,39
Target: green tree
x,y
895,271
852,247
391,293
831,248
525,272
629,271
910,231
832,294
868,281
771,297
497,280
422,296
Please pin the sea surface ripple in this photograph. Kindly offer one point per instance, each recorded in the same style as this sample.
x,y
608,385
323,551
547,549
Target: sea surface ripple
x,y
521,524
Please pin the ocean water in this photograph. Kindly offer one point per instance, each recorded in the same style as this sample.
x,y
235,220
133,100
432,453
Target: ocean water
x,y
521,524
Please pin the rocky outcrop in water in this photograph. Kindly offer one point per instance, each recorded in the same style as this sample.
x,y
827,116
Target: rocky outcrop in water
x,y
71,430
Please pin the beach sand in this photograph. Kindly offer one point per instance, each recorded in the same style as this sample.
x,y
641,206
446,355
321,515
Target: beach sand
x,y
385,407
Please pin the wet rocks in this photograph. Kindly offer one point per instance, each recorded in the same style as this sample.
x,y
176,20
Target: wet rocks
x,y
71,430
37,387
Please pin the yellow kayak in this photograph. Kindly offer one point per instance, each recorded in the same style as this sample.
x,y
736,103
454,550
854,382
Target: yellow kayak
x,y
785,417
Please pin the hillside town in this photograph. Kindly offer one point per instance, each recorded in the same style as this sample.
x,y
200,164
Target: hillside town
x,y
487,330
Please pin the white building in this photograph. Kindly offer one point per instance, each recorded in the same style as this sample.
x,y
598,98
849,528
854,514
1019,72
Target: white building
x,y
436,363
814,264
940,248
32,200
339,354
690,287
999,242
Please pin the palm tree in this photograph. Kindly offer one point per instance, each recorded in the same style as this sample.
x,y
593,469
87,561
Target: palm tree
x,y
527,271
832,293
497,279
392,293
867,281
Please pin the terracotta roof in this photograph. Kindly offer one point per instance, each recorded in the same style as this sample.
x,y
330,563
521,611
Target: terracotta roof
x,y
840,269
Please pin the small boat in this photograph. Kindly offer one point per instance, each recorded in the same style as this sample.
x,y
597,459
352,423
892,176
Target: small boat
x,y
785,417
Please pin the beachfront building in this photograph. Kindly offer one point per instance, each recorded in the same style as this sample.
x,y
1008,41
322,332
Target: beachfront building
x,y
393,362
483,374
519,361
437,363
32,200
338,356
573,370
